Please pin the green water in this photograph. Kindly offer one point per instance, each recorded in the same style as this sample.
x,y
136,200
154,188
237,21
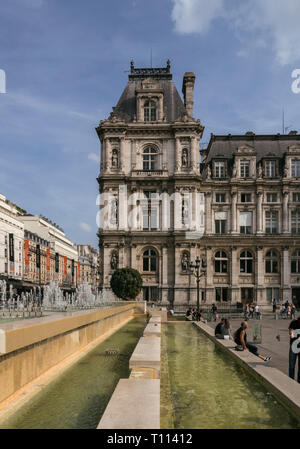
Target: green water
x,y
209,390
78,398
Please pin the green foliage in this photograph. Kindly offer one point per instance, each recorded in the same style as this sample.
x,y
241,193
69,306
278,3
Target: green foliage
x,y
126,283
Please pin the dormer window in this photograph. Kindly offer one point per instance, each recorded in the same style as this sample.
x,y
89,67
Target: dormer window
x,y
295,168
220,169
270,169
245,169
149,111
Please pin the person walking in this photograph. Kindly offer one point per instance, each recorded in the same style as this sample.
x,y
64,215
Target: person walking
x,y
293,311
214,310
294,354
251,310
256,311
246,312
240,338
274,305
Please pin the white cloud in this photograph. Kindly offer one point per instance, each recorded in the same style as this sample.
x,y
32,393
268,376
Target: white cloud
x,y
94,157
85,227
195,16
261,23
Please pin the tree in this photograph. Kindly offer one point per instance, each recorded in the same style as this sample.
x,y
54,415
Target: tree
x,y
126,283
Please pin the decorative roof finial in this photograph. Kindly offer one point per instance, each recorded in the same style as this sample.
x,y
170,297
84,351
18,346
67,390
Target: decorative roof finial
x,y
168,65
132,66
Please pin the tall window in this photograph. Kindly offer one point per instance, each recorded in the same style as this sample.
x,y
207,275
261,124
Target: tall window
x,y
296,197
271,222
150,211
220,222
149,159
295,262
271,197
246,295
245,222
272,293
246,262
272,262
270,169
150,260
150,111
220,169
244,169
245,197
221,294
221,262
296,169
220,198
296,222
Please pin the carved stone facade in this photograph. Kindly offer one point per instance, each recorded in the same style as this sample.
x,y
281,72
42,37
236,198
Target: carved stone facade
x,y
151,184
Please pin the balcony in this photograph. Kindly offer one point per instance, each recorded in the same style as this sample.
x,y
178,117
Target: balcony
x,y
149,173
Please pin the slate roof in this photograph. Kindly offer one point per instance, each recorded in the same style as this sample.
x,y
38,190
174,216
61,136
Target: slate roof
x,y
273,146
173,105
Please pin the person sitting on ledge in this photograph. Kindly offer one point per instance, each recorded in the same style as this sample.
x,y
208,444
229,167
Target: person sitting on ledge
x,y
199,316
226,330
240,338
218,329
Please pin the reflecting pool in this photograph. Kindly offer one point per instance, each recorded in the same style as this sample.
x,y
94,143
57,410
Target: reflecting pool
x,y
79,396
210,390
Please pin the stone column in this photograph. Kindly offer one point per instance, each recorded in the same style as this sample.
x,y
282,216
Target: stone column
x,y
259,212
133,257
285,274
259,275
177,210
107,154
285,212
122,225
234,213
160,108
177,154
122,154
102,159
165,211
193,151
208,213
235,270
134,210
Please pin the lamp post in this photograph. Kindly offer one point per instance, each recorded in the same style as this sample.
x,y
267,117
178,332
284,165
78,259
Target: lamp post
x,y
198,269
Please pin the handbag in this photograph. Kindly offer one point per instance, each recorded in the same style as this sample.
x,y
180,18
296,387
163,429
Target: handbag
x,y
239,348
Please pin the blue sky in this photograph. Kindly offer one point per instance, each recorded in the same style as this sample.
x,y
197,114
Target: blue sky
x,y
65,63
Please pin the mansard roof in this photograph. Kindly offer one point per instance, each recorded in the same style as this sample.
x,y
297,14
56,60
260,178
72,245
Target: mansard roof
x,y
264,146
173,105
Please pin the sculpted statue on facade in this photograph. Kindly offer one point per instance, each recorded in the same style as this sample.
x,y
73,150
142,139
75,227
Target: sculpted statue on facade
x,y
185,262
184,158
114,261
115,159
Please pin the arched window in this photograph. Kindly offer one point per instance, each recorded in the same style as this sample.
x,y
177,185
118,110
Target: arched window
x,y
295,262
149,111
150,260
149,159
272,262
221,262
246,262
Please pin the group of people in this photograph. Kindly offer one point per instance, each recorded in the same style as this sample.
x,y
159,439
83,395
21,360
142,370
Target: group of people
x,y
194,315
251,311
287,310
240,337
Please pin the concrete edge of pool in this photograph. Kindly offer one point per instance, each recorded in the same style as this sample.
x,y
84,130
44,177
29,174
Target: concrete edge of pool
x,y
135,403
285,389
25,371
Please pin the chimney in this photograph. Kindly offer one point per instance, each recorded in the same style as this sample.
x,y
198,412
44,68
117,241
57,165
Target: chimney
x,y
188,92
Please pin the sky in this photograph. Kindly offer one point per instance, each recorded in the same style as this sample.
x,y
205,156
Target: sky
x,y
66,64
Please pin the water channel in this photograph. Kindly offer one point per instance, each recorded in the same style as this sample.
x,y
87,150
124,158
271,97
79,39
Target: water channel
x,y
78,397
210,390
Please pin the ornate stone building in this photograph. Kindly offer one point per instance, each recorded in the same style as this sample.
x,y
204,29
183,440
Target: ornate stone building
x,y
161,208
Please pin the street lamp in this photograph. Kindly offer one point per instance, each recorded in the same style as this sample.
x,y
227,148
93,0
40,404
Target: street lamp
x,y
198,269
